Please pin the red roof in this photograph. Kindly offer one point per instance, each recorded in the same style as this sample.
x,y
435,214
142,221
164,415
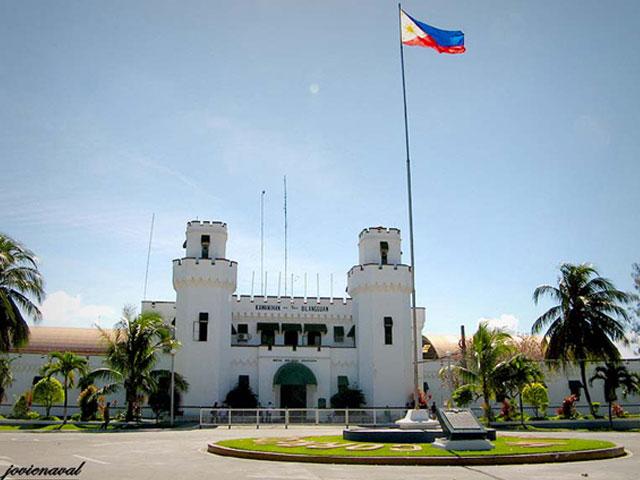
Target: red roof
x,y
83,341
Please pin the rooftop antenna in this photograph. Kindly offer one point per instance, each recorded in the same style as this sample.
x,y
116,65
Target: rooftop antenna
x,y
146,273
331,294
265,286
285,235
279,281
262,286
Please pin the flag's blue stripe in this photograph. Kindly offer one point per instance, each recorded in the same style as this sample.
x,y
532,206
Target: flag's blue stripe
x,y
445,38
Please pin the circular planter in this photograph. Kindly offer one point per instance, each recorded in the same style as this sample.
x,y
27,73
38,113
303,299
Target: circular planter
x,y
506,459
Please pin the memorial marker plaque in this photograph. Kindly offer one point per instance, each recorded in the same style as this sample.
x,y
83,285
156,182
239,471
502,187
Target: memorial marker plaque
x,y
460,424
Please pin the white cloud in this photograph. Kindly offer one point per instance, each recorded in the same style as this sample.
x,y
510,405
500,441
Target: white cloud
x,y
63,310
505,321
314,88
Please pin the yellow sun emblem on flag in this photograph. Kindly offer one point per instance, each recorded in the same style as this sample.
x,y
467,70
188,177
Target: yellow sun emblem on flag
x,y
409,28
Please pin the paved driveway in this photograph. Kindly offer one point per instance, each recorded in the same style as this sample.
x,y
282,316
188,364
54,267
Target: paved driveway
x,y
158,455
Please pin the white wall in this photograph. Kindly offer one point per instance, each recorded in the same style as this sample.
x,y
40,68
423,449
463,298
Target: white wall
x,y
557,382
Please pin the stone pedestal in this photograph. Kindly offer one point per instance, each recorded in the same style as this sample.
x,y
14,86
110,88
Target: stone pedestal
x,y
476,444
418,420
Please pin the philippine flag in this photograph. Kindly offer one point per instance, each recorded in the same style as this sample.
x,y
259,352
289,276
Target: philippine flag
x,y
420,34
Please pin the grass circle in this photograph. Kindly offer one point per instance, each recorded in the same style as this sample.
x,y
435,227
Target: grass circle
x,y
334,449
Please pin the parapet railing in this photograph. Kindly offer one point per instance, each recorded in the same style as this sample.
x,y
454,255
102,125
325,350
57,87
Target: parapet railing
x,y
299,416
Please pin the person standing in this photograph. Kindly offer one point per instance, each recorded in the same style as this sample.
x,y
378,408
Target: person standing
x,y
106,415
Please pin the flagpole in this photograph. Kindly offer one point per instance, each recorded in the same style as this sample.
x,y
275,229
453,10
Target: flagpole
x,y
416,387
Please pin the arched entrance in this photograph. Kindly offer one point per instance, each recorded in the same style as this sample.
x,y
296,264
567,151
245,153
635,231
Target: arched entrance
x,y
293,378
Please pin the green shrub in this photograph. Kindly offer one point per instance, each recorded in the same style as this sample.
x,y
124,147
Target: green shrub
x,y
596,408
535,394
22,406
347,398
48,391
241,397
464,395
51,418
33,415
75,417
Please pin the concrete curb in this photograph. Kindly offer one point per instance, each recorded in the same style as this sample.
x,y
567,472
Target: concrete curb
x,y
618,424
576,456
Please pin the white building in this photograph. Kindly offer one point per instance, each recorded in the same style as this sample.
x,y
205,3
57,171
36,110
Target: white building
x,y
292,351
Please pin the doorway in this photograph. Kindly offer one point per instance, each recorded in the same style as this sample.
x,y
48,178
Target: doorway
x,y
293,396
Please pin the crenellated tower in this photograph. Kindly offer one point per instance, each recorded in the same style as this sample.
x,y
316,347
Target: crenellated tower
x,y
204,281
381,287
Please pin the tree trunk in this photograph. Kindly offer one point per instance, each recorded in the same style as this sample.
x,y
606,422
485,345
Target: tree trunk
x,y
131,398
64,410
610,417
583,375
488,413
521,409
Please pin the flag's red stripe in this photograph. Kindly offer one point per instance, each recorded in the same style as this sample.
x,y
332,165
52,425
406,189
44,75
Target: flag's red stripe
x,y
428,41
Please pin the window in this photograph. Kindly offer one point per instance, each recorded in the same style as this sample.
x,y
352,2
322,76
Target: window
x,y
267,337
242,333
352,333
291,338
388,331
314,338
384,250
338,334
201,328
204,241
243,381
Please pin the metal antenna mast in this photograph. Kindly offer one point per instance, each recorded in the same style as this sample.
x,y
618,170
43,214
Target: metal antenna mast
x,y
146,274
262,242
285,236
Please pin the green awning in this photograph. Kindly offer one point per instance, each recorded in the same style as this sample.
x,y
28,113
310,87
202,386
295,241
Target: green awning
x,y
291,327
233,330
294,373
352,332
315,327
275,327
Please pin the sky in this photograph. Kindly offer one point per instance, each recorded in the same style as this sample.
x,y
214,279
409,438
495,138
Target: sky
x,y
524,149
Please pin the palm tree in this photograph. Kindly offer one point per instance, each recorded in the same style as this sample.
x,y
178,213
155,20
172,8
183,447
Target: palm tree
x,y
488,348
20,286
515,374
614,377
65,364
6,377
131,354
159,397
587,320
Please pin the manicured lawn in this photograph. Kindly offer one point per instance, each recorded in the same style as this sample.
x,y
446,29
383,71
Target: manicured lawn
x,y
45,428
505,445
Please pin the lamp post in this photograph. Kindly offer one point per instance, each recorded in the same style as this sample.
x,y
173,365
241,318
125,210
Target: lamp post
x,y
173,382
